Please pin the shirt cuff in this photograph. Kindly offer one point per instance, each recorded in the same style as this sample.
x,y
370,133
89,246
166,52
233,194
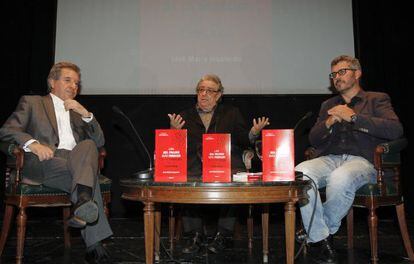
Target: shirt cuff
x,y
253,137
26,145
88,119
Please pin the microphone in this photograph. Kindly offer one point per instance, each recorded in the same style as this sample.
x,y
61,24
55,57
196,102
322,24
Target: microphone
x,y
306,116
145,174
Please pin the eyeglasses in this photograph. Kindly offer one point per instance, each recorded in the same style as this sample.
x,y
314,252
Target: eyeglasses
x,y
341,72
207,91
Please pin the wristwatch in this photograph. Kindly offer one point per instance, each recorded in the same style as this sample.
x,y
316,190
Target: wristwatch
x,y
354,118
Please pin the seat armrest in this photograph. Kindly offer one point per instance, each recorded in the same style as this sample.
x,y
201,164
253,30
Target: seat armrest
x,y
101,157
310,153
15,154
394,146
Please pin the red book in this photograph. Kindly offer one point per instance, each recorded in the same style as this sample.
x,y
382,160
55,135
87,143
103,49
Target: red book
x,y
170,155
278,155
216,158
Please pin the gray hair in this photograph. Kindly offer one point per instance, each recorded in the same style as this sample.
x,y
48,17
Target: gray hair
x,y
211,77
56,71
353,62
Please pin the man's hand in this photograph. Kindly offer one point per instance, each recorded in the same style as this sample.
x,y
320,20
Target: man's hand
x,y
332,120
343,112
42,152
176,121
259,125
74,105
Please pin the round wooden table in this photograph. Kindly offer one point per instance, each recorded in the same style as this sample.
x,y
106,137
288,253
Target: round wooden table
x,y
196,192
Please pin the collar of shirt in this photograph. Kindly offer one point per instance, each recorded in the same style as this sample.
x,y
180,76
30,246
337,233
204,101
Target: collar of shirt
x,y
57,103
357,98
201,111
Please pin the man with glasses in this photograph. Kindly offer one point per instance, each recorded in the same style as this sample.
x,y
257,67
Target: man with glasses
x,y
349,127
209,116
60,139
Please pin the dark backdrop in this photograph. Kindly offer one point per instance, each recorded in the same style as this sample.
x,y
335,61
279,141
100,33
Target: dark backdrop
x,y
381,43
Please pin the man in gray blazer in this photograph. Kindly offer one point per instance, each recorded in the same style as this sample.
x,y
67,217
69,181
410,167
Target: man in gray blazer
x,y
349,127
60,138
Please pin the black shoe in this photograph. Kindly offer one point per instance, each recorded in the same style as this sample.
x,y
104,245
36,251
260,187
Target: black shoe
x,y
84,213
301,235
323,251
218,244
194,244
98,255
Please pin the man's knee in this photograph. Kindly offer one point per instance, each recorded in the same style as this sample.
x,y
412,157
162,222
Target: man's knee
x,y
88,143
89,146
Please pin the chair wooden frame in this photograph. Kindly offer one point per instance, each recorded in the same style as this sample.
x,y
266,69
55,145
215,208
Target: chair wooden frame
x,y
386,158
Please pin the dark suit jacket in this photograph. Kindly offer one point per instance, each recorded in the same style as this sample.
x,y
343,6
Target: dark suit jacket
x,y
226,119
34,118
376,123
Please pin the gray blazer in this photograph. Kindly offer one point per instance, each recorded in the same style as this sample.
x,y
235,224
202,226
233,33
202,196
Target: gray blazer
x,y
34,118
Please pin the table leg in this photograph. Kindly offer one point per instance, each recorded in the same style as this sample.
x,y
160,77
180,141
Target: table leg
x,y
171,228
157,233
290,231
149,232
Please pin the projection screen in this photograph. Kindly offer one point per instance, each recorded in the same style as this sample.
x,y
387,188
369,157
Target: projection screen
x,y
165,46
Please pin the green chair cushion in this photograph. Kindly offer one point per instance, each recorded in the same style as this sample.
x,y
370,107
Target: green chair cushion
x,y
373,189
26,189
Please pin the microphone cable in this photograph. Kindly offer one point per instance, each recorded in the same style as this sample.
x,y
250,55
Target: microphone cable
x,y
315,189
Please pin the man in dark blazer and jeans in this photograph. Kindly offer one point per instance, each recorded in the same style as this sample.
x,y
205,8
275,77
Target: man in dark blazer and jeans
x,y
349,127
60,138
210,116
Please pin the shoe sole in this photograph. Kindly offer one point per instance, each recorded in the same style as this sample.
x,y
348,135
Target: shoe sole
x,y
76,222
87,212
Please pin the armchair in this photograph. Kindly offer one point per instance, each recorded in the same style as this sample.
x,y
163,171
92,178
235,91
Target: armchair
x,y
21,195
385,192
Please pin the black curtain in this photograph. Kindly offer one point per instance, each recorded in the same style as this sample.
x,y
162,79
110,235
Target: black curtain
x,y
28,51
383,45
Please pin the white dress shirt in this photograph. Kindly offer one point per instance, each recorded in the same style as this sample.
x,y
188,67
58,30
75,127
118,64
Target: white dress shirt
x,y
66,139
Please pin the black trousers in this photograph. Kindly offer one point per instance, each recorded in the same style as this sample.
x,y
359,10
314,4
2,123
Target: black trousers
x,y
195,217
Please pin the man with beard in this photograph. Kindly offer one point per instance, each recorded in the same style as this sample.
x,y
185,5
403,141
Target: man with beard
x,y
349,127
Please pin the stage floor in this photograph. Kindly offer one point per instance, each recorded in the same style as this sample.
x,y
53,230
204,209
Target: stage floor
x,y
44,244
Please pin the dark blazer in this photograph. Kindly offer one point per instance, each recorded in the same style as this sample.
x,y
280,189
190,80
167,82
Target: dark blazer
x,y
34,118
226,119
376,123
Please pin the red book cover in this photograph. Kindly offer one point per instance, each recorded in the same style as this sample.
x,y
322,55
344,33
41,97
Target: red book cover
x,y
170,155
216,158
278,155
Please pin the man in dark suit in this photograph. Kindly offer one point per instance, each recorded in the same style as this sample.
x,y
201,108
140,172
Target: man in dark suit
x,y
209,116
349,127
60,138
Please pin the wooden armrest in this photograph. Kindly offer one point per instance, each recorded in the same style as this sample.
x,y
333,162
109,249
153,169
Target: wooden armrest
x,y
387,155
310,153
101,157
394,146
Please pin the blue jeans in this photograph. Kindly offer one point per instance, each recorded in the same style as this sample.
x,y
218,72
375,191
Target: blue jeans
x,y
342,175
